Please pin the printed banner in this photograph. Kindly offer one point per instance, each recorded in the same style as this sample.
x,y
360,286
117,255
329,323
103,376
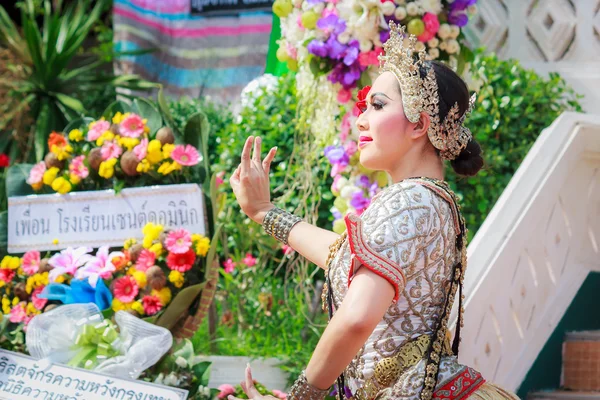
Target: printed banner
x,y
22,378
228,7
100,218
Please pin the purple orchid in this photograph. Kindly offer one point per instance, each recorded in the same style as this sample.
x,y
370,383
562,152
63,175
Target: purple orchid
x,y
457,15
100,266
318,48
68,261
347,75
359,201
331,24
336,213
363,181
336,155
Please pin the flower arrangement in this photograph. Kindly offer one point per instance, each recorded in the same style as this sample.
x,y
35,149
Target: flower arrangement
x,y
104,153
140,278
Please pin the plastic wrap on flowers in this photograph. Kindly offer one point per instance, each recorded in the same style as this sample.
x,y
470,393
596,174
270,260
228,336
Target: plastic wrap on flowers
x,y
78,335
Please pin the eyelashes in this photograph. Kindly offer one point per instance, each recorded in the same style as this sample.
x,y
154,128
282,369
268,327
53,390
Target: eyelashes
x,y
377,105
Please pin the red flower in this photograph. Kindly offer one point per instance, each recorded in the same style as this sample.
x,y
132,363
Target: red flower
x,y
151,304
181,262
56,139
361,104
4,161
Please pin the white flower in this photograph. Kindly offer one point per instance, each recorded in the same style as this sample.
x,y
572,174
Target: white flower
x,y
318,8
400,13
444,45
159,379
365,45
444,32
434,53
431,6
180,361
306,6
452,47
472,9
435,42
171,380
348,191
264,84
388,8
412,9
344,37
420,46
454,31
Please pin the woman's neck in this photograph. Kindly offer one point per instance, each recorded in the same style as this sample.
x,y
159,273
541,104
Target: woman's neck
x,y
417,164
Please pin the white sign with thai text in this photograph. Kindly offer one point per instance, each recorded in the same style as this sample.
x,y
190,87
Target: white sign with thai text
x,y
100,218
21,378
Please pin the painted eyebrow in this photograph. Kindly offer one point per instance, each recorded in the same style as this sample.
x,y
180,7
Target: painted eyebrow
x,y
382,94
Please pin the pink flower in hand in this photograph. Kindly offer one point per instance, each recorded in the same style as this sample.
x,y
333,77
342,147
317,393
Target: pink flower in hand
x,y
145,260
249,260
229,266
226,390
185,155
96,129
141,150
132,126
110,150
31,262
178,241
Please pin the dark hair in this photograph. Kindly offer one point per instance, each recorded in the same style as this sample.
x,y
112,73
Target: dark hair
x,y
452,89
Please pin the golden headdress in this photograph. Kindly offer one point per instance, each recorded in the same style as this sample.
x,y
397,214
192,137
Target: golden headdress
x,y
402,59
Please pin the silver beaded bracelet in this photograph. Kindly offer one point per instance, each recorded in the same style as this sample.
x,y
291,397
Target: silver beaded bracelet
x,y
302,390
279,223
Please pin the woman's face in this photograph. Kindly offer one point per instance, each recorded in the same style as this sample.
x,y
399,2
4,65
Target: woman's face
x,y
383,127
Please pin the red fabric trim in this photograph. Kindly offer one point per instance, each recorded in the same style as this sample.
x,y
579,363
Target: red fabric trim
x,y
365,255
461,386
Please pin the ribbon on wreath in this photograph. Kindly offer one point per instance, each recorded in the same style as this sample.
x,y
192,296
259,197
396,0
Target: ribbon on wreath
x,y
94,344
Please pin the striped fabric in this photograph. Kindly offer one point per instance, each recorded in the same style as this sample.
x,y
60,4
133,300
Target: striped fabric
x,y
194,55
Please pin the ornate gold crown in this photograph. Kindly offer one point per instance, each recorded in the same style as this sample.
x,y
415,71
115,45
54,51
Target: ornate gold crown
x,y
402,59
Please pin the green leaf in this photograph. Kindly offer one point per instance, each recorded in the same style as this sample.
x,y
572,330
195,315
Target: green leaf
x,y
147,110
70,102
180,305
115,107
186,350
79,123
16,180
166,113
202,371
210,257
43,129
4,229
196,132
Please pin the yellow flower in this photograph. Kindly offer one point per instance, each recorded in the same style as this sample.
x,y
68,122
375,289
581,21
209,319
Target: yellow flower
x,y
75,135
74,179
139,276
15,301
163,294
157,249
9,262
154,155
62,152
37,186
107,135
6,305
166,168
138,307
128,142
60,279
168,149
31,310
128,243
201,243
37,280
61,185
50,175
117,305
151,232
107,168
143,166
118,117
176,278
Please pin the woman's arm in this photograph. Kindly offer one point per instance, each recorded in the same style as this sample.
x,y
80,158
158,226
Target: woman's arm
x,y
364,306
251,186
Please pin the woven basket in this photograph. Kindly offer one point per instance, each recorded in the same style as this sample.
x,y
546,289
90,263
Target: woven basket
x,y
581,361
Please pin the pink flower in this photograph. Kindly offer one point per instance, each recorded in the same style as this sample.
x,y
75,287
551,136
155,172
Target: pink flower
x,y
279,394
226,390
36,174
337,169
110,149
178,241
287,250
344,95
351,147
249,260
38,302
125,289
7,275
96,129
426,36
68,261
432,24
229,266
145,260
185,155
100,266
141,149
219,179
345,128
31,262
132,126
78,168
151,304
17,313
